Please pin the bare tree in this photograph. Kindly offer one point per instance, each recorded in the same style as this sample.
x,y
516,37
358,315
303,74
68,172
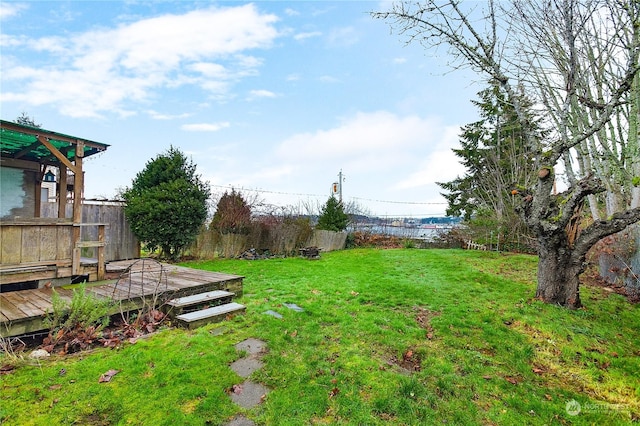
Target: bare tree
x,y
538,47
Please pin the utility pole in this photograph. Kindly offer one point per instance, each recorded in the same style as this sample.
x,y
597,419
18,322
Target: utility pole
x,y
336,187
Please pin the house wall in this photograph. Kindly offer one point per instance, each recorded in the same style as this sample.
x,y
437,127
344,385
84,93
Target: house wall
x,y
17,192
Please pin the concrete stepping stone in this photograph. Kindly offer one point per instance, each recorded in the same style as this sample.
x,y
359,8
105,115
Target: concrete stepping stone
x,y
294,307
273,314
248,394
244,367
252,346
240,421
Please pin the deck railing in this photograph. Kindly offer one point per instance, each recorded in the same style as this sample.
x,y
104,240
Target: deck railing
x,y
35,249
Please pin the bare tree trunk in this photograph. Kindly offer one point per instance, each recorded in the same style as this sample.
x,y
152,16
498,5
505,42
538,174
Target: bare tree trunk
x,y
562,243
558,273
563,255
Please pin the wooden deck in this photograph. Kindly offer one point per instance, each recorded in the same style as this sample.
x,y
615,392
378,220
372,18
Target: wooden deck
x,y
134,284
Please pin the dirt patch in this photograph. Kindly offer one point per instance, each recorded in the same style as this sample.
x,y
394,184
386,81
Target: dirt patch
x,y
409,362
423,318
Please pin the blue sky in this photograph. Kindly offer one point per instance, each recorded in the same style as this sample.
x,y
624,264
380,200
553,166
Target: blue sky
x,y
269,96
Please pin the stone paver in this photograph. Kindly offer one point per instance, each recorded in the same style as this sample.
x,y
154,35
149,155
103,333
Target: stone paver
x,y
249,394
244,367
273,314
241,421
252,346
294,307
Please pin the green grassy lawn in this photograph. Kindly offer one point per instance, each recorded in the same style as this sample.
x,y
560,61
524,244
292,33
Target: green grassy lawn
x,y
387,337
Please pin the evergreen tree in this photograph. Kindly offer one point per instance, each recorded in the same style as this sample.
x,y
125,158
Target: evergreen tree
x,y
233,214
496,155
167,203
25,120
332,217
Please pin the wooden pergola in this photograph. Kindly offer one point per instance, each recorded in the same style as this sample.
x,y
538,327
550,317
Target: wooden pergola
x,y
35,149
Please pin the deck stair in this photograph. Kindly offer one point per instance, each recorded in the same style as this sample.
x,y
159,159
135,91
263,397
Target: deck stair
x,y
202,308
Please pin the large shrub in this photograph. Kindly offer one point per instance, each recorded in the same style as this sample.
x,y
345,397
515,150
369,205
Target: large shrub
x,y
167,203
233,214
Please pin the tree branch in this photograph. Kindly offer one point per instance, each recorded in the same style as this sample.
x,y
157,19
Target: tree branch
x,y
603,228
583,188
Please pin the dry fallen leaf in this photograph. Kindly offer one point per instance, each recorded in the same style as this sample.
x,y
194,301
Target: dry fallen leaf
x,y
7,368
334,392
55,387
106,377
511,380
236,389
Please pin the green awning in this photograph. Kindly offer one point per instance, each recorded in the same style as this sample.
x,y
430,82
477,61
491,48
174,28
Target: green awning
x,y
20,142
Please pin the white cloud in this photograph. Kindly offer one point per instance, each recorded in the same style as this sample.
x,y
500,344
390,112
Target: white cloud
x,y
159,116
416,150
9,10
399,60
103,70
254,94
205,127
343,37
380,134
303,36
440,165
210,70
328,79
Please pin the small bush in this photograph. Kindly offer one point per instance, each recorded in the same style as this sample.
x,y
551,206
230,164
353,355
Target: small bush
x,y
368,239
408,243
76,324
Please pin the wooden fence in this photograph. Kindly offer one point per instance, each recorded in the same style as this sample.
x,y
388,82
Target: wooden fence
x,y
328,240
120,242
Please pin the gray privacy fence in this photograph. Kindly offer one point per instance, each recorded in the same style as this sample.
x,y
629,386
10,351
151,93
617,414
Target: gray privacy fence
x,y
120,242
282,240
328,240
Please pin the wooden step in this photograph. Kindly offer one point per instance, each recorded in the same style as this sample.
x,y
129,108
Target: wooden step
x,y
217,296
205,316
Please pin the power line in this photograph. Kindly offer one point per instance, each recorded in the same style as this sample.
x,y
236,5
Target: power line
x,y
265,191
397,202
